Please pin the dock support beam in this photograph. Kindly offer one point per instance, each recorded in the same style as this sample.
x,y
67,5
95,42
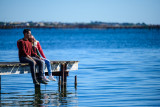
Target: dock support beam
x,y
37,86
63,76
75,82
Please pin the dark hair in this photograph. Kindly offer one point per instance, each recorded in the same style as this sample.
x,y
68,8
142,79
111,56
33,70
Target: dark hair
x,y
26,31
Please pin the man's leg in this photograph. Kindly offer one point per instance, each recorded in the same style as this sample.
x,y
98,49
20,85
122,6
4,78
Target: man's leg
x,y
43,67
44,77
40,63
32,68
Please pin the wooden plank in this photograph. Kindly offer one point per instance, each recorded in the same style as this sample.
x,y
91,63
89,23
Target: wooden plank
x,y
58,73
7,64
7,68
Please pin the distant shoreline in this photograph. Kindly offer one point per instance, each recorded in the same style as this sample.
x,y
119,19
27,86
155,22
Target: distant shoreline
x,y
84,27
91,25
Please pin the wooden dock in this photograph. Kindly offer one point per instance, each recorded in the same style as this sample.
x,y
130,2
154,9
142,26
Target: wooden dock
x,y
59,68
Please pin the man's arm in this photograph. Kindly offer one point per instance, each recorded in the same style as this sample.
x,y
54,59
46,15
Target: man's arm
x,y
35,54
21,47
22,50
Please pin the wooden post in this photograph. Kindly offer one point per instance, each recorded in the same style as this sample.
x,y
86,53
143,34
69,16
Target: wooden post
x,y
63,73
76,79
59,83
37,86
75,82
63,77
37,95
37,89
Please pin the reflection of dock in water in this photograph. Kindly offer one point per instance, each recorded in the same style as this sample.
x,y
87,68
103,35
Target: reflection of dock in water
x,y
40,97
59,68
58,98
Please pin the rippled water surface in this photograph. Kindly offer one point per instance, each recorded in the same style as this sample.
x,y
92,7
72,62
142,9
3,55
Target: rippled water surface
x,y
117,68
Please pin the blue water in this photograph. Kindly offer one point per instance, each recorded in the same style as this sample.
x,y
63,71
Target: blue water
x,y
117,68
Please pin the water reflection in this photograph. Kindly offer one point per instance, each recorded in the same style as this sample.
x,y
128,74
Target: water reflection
x,y
40,97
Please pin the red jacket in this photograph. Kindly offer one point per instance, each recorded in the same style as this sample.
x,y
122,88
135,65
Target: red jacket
x,y
25,48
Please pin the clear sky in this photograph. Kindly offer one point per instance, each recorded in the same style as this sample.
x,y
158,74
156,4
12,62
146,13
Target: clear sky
x,y
134,11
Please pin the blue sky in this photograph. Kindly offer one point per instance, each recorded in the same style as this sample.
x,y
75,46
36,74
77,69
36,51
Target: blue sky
x,y
134,11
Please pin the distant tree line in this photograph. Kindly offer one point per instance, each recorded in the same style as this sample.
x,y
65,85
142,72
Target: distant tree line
x,y
94,25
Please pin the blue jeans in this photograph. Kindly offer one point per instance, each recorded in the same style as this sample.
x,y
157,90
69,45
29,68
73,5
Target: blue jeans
x,y
32,66
47,62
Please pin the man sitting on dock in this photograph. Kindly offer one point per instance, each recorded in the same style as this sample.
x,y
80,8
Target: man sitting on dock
x,y
27,55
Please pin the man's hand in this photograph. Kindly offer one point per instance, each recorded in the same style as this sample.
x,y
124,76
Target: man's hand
x,y
34,62
32,59
39,57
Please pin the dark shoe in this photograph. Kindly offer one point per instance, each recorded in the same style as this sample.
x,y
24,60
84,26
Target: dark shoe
x,y
42,81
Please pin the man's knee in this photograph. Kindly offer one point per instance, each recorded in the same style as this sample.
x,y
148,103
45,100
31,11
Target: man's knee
x,y
41,62
33,64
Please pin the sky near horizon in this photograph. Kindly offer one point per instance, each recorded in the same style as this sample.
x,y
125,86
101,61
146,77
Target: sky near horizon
x,y
132,11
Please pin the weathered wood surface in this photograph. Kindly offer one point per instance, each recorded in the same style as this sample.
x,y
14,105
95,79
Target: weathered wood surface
x,y
7,68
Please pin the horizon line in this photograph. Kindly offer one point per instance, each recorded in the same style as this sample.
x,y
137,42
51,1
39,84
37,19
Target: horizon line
x,y
77,22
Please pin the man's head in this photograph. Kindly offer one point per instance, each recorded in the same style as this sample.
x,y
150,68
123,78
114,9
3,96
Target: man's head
x,y
27,33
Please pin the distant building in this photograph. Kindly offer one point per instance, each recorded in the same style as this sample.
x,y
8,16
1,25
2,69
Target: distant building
x,y
40,24
26,24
